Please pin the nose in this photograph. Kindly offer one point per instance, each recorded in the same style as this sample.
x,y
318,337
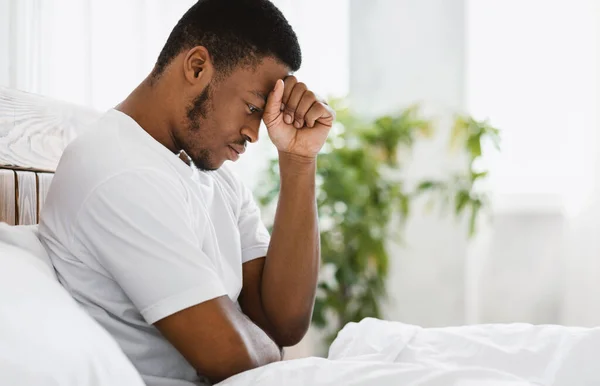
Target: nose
x,y
250,132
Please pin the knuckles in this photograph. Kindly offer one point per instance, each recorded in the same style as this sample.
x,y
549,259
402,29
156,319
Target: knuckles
x,y
301,86
308,94
291,79
293,86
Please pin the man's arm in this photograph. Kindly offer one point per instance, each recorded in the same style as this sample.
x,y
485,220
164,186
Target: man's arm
x,y
218,340
279,290
166,275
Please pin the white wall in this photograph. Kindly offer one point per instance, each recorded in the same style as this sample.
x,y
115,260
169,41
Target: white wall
x,y
4,43
522,277
582,287
401,52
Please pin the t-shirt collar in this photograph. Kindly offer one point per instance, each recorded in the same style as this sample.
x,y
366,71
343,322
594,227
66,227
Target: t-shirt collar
x,y
180,165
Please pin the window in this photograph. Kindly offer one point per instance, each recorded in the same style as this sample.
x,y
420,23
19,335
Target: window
x,y
532,68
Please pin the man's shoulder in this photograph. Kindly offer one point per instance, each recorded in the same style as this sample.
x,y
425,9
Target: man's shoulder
x,y
109,149
96,146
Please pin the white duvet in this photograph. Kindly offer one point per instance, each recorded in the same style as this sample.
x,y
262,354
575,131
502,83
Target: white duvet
x,y
45,339
375,352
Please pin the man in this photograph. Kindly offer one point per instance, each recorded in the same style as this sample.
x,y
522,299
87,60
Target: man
x,y
173,260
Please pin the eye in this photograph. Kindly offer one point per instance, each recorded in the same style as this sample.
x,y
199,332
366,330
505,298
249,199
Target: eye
x,y
253,109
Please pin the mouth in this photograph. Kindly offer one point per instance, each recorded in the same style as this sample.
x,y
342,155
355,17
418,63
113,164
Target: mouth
x,y
240,149
235,153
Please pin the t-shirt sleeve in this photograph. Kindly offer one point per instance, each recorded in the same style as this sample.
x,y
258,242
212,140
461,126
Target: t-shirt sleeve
x,y
253,233
139,227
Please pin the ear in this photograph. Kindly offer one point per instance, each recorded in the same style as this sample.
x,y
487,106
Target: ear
x,y
197,66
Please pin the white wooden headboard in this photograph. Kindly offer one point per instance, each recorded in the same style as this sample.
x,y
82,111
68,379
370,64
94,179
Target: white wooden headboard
x,y
34,131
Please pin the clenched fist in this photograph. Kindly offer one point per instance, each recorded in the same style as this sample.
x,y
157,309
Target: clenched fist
x,y
297,121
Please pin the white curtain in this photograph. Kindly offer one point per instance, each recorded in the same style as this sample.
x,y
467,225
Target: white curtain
x,y
94,52
533,69
88,52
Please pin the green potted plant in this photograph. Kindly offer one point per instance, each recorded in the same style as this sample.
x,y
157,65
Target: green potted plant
x,y
361,192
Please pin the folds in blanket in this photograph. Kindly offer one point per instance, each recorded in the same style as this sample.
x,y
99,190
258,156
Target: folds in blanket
x,y
372,340
548,355
382,353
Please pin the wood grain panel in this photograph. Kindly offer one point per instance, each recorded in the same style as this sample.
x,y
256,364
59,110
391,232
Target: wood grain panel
x,y
8,205
44,180
34,130
26,198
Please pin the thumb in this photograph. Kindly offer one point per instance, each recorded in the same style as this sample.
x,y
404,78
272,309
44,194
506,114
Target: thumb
x,y
274,100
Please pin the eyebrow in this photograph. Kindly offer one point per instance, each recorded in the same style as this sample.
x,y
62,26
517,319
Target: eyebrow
x,y
260,95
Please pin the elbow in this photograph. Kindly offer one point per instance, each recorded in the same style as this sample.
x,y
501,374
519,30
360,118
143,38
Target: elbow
x,y
237,355
290,333
288,322
236,360
289,339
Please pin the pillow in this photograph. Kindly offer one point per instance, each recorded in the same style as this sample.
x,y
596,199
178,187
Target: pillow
x,y
46,338
26,237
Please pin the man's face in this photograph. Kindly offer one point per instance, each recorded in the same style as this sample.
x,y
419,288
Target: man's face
x,y
227,114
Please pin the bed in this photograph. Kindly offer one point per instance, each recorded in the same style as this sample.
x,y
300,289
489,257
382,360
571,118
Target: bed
x,y
45,337
33,133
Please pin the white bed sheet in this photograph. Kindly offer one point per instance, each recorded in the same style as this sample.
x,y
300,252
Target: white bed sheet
x,y
376,352
46,339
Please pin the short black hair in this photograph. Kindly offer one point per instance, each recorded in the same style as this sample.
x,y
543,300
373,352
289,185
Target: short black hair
x,y
235,32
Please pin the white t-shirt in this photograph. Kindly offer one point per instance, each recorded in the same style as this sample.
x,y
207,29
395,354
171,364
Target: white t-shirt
x,y
136,235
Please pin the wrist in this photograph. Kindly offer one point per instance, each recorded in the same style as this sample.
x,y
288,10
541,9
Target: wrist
x,y
296,164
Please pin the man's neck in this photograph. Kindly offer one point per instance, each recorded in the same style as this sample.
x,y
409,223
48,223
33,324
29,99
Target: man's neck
x,y
146,106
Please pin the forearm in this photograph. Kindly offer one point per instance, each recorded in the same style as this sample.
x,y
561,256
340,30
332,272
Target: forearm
x,y
291,267
218,340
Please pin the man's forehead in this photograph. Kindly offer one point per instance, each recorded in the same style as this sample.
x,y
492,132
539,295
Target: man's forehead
x,y
268,68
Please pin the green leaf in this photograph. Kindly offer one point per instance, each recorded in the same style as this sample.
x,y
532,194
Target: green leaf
x,y
475,208
461,200
426,185
361,188
459,131
476,176
318,317
474,147
404,206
